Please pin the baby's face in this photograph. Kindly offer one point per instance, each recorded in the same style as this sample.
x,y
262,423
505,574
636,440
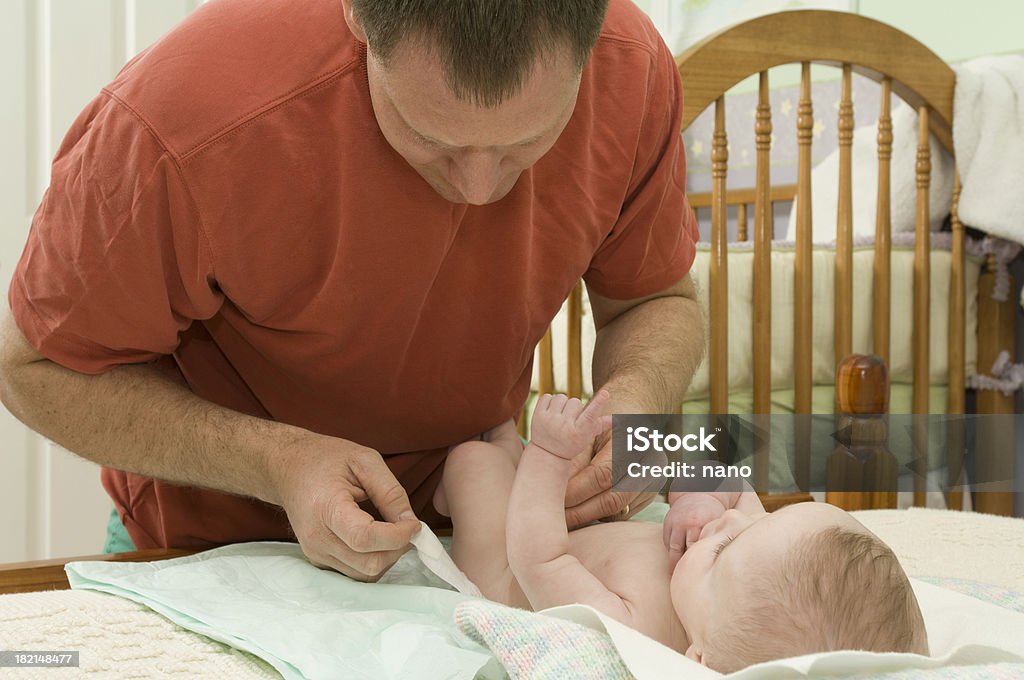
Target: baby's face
x,y
712,580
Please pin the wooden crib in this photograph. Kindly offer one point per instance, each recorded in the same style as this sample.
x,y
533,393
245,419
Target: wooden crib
x,y
902,66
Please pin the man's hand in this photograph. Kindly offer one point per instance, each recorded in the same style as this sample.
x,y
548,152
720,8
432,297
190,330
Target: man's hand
x,y
685,519
589,496
319,481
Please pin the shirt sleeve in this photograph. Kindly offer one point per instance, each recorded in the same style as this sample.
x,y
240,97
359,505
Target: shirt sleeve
x,y
116,262
653,243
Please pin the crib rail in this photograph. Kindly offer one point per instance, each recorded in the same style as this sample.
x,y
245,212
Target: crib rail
x,y
901,66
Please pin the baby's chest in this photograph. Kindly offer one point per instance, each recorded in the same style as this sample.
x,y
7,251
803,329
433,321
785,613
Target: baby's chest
x,y
630,560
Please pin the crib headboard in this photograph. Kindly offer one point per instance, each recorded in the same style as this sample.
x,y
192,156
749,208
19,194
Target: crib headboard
x,y
902,66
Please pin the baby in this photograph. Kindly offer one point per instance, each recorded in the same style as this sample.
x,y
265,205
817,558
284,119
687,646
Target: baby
x,y
751,587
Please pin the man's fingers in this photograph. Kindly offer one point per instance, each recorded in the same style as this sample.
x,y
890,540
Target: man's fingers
x,y
367,567
361,533
384,490
641,501
592,480
595,406
600,506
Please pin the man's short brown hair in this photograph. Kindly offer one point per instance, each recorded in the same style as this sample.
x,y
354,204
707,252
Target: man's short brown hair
x,y
487,47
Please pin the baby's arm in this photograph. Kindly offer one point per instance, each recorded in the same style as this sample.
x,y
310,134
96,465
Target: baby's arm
x,y
538,540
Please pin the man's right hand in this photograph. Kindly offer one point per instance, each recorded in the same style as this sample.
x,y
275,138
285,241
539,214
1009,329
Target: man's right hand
x,y
319,482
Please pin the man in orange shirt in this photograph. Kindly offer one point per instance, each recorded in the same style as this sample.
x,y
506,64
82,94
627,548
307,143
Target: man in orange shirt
x,y
295,250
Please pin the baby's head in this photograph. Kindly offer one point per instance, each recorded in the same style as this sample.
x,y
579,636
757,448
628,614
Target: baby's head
x,y
807,578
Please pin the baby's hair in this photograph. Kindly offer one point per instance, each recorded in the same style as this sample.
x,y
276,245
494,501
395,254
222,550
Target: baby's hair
x,y
837,589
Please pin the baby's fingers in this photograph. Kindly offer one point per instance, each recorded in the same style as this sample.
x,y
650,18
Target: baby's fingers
x,y
676,543
573,408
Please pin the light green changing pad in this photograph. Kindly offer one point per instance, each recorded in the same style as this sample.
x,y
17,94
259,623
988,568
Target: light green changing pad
x,y
267,599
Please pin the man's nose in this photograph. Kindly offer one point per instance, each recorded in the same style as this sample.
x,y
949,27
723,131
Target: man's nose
x,y
477,174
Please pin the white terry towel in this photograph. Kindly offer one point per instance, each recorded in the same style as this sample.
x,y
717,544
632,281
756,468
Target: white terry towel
x,y
988,136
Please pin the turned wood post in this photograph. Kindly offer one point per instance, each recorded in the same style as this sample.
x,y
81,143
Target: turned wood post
x,y
861,471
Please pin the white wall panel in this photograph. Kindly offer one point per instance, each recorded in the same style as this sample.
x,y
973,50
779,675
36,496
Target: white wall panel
x,y
83,48
153,19
14,202
55,56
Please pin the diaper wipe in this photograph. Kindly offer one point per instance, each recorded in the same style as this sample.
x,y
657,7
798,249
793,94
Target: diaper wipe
x,y
436,559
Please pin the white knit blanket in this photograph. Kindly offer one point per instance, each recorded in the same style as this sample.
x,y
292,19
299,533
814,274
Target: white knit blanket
x,y
121,639
950,544
117,639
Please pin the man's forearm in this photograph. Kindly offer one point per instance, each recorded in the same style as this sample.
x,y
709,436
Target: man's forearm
x,y
647,356
133,418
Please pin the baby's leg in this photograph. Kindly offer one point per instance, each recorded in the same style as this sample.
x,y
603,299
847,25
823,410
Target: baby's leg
x,y
477,482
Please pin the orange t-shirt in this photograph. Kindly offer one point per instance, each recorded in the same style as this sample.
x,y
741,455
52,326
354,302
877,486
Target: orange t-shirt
x,y
230,201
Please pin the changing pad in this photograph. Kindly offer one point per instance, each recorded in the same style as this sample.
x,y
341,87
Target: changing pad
x,y
267,599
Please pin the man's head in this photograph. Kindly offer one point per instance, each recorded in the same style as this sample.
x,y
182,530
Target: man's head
x,y
473,92
808,578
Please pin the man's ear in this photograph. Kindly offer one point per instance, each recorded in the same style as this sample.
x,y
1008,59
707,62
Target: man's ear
x,y
695,653
353,21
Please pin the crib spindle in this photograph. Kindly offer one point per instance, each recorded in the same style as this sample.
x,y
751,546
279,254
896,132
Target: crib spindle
x,y
762,330
741,222
762,294
843,309
546,370
545,377
955,406
718,351
574,377
921,333
802,286
883,230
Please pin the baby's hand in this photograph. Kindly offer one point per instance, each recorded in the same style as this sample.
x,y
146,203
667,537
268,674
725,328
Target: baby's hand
x,y
685,520
564,427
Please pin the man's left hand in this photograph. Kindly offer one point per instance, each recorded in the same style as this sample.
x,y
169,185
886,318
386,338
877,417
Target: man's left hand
x,y
589,496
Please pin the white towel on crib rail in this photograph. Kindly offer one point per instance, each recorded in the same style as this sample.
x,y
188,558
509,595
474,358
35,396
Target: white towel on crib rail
x,y
988,136
864,182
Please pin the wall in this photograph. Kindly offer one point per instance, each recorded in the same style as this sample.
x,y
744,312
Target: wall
x,y
955,30
55,55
